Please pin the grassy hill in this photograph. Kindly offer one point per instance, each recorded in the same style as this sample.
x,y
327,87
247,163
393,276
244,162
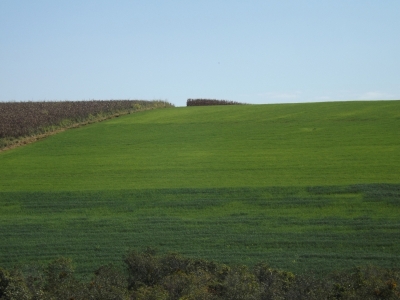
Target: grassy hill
x,y
302,186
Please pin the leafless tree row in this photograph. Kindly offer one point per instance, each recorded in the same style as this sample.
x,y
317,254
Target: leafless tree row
x,y
18,119
206,102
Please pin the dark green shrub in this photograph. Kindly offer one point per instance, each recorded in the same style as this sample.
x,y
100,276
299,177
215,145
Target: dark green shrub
x,y
13,286
310,287
240,284
108,283
201,287
175,284
173,262
366,283
61,283
150,293
218,271
274,284
173,277
144,269
35,280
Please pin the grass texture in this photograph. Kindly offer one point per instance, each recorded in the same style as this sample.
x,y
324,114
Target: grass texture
x,y
301,186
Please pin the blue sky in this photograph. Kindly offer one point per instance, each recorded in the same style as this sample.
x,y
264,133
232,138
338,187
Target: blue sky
x,y
248,51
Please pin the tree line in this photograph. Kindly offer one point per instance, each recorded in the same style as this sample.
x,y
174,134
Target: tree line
x,y
146,275
206,102
24,119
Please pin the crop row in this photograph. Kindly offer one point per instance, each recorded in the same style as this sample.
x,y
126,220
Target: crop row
x,y
207,102
293,228
20,119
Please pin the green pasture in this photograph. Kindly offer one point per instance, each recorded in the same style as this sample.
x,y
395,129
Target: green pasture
x,y
301,186
295,229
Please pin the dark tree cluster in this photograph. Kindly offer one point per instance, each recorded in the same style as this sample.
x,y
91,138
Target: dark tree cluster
x,y
207,102
172,276
21,119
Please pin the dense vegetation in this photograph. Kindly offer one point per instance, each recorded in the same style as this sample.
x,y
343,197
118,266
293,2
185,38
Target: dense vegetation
x,y
148,276
301,186
207,102
24,119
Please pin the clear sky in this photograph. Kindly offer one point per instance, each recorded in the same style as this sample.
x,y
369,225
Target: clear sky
x,y
253,51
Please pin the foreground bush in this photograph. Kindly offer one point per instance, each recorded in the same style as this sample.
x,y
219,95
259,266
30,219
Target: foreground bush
x,y
172,276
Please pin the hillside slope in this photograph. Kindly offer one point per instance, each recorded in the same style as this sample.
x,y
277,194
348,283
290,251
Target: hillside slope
x,y
301,186
225,146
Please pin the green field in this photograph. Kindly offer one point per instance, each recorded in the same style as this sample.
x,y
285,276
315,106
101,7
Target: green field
x,y
301,186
